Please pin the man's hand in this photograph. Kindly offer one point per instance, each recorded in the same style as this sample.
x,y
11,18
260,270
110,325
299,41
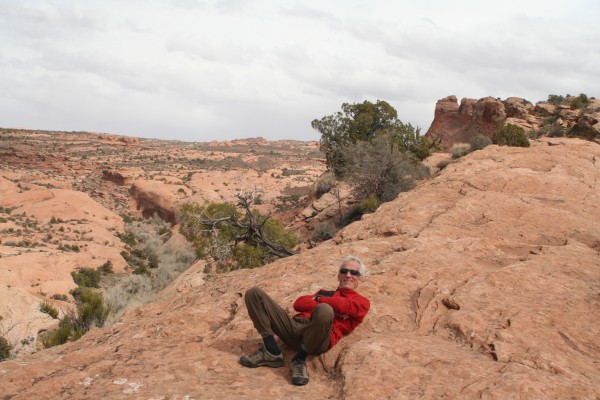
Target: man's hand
x,y
326,293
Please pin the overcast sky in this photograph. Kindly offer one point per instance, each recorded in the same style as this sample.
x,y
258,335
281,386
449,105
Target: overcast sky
x,y
199,70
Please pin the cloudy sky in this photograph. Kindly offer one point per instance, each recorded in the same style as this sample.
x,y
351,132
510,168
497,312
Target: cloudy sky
x,y
198,70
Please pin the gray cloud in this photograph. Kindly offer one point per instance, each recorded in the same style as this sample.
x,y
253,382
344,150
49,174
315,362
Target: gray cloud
x,y
200,70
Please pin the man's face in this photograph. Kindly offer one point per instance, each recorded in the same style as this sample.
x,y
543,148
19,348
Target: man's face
x,y
347,280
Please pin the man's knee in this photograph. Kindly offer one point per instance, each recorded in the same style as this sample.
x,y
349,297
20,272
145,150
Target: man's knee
x,y
323,312
254,292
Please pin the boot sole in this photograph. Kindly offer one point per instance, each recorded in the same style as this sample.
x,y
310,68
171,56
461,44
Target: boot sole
x,y
273,364
299,381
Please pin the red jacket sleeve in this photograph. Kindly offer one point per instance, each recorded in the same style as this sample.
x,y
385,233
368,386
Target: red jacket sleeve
x,y
305,304
351,306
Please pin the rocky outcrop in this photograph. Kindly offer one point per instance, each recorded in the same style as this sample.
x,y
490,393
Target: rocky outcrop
x,y
121,178
454,123
33,160
483,281
154,198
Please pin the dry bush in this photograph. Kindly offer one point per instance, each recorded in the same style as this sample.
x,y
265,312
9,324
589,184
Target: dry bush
x,y
479,142
381,168
460,149
325,183
168,260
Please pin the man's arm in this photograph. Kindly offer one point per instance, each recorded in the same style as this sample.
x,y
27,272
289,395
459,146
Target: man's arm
x,y
305,303
355,307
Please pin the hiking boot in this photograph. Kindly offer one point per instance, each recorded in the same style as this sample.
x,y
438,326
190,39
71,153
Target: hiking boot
x,y
298,371
261,358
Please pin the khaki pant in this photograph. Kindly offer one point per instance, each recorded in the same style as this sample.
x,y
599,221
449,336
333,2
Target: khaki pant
x,y
270,319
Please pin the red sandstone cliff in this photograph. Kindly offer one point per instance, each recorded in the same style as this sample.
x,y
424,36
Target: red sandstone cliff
x,y
459,123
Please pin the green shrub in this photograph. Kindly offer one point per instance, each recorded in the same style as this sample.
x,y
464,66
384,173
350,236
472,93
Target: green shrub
x,y
61,297
555,99
219,233
247,256
91,311
555,131
86,277
579,101
69,247
290,172
479,142
58,336
510,135
370,204
324,231
364,122
128,238
49,309
276,232
5,348
141,270
106,268
443,164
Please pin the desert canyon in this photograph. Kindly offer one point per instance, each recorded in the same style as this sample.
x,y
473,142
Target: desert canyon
x,y
484,280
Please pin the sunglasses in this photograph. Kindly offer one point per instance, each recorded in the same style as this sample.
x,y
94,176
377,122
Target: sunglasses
x,y
353,272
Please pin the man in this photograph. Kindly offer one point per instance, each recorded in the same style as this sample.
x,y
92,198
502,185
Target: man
x,y
322,319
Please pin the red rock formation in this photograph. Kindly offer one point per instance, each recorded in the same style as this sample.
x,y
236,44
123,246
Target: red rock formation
x,y
459,124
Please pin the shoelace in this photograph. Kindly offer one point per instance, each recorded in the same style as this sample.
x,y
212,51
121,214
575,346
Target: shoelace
x,y
299,368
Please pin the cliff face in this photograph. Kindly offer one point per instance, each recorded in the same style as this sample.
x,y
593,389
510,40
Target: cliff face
x,y
459,123
484,283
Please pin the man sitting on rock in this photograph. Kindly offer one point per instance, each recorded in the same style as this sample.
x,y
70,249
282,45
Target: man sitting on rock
x,y
322,320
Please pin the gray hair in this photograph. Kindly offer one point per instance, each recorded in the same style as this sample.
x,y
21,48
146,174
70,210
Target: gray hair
x,y
361,267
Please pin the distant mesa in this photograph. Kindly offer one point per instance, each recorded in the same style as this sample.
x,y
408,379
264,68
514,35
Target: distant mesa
x,y
240,142
459,123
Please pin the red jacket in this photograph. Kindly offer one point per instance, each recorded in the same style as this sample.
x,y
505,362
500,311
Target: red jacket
x,y
349,307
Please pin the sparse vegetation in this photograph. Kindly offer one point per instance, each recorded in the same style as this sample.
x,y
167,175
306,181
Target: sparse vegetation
x,y
165,262
90,311
69,247
47,308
